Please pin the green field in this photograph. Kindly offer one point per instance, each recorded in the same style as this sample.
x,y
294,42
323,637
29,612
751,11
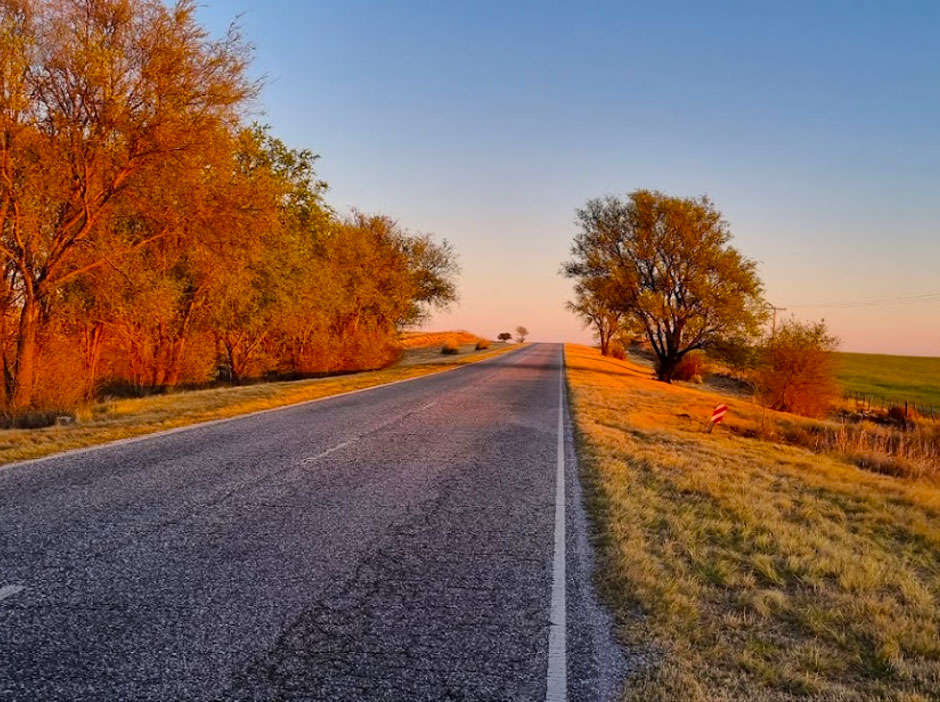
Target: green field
x,y
899,378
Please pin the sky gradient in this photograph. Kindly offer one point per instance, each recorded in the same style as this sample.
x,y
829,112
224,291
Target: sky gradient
x,y
814,127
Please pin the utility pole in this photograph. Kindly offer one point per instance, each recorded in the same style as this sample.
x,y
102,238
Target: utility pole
x,y
773,327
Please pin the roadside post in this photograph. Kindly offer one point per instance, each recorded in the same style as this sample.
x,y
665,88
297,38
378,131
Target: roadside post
x,y
717,415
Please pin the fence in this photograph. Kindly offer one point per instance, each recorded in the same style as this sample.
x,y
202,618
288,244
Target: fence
x,y
865,402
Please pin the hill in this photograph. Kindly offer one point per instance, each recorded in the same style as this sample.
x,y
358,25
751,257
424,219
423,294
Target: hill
x,y
915,379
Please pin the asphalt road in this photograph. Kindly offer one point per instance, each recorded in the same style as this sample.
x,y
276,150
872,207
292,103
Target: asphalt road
x,y
395,544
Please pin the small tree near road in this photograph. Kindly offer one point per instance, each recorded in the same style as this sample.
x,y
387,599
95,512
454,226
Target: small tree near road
x,y
594,312
504,336
795,372
521,334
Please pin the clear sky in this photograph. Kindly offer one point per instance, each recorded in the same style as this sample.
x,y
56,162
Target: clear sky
x,y
814,126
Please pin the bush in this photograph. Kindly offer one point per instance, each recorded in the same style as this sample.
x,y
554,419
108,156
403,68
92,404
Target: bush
x,y
450,348
796,370
736,354
483,344
690,368
616,350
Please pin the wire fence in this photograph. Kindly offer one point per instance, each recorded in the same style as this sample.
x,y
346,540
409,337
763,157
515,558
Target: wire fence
x,y
867,402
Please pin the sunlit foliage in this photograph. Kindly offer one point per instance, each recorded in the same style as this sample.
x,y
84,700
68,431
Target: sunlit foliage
x,y
665,267
150,238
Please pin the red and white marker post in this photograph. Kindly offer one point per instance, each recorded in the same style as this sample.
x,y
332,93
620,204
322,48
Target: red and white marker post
x,y
717,415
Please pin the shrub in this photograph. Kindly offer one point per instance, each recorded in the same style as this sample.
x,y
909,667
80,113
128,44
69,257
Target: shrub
x,y
735,353
796,370
450,348
616,350
483,344
690,368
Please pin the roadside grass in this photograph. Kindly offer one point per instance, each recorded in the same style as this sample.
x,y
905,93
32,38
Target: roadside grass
x,y
432,355
915,379
744,569
125,418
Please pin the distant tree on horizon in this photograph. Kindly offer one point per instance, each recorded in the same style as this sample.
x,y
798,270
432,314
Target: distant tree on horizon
x,y
504,336
521,334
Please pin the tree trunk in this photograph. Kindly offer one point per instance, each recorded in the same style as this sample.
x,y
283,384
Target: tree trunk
x,y
93,341
175,363
25,371
666,367
604,335
236,368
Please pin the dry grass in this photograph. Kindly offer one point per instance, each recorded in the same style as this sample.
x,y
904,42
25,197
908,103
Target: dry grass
x,y
125,418
421,340
748,569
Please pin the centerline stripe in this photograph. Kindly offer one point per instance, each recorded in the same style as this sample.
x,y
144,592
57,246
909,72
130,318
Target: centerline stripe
x,y
10,590
557,682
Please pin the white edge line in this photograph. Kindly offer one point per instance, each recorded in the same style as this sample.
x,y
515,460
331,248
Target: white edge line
x,y
10,590
557,677
238,417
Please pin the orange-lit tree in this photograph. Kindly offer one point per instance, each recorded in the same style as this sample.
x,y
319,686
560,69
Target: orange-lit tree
x,y
665,264
797,369
95,95
590,305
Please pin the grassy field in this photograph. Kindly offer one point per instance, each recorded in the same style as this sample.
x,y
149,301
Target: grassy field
x,y
899,378
125,418
743,569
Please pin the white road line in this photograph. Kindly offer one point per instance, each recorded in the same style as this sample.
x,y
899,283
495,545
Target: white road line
x,y
10,590
344,444
326,453
557,684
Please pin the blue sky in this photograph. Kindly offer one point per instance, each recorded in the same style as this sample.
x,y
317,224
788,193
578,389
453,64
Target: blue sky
x,y
815,128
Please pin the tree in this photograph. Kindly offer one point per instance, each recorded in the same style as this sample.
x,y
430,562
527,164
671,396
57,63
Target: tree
x,y
665,264
504,336
590,305
95,94
280,217
795,372
521,334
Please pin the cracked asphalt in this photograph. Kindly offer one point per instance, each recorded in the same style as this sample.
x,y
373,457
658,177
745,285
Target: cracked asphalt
x,y
395,544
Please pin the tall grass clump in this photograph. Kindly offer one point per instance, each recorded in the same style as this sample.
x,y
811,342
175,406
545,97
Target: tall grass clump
x,y
691,368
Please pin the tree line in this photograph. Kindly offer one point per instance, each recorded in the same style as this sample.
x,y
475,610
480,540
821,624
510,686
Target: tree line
x,y
151,236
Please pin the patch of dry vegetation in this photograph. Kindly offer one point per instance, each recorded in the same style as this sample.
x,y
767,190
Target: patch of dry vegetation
x,y
750,569
102,422
422,340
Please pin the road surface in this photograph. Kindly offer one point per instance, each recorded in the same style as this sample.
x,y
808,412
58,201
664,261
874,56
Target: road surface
x,y
394,544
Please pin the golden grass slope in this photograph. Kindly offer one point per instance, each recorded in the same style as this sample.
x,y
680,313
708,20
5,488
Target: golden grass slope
x,y
742,569
420,339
